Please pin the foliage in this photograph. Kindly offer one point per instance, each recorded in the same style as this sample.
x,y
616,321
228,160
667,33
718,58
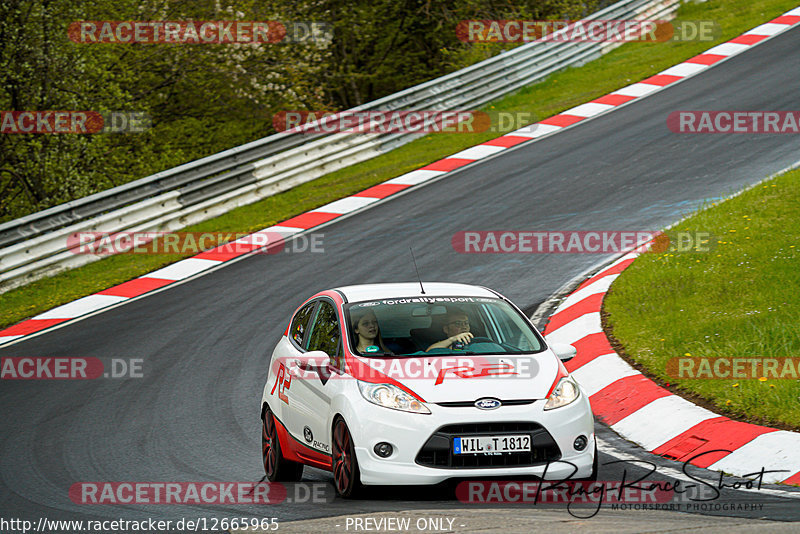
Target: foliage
x,y
202,99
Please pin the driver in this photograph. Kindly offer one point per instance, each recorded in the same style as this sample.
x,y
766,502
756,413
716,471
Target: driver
x,y
456,328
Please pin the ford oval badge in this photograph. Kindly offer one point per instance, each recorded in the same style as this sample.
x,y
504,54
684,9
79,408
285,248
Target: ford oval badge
x,y
487,404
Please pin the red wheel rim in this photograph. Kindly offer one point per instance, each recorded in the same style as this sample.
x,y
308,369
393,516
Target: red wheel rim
x,y
269,436
342,459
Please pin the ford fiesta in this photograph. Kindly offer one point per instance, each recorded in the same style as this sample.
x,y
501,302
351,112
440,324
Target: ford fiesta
x,y
411,384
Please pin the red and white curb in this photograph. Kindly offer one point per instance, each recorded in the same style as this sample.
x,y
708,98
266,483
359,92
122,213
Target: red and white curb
x,y
210,259
649,415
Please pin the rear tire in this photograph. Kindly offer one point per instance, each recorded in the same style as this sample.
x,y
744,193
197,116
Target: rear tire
x,y
276,467
346,475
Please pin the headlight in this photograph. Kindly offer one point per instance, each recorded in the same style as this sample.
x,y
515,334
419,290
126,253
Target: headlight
x,y
565,393
390,396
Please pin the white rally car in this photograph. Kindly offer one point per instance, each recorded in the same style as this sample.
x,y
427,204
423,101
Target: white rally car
x,y
387,384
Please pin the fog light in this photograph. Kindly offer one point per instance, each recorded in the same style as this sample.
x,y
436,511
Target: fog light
x,y
383,449
580,443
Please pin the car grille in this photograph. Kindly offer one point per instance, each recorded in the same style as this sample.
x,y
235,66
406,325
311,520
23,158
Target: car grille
x,y
471,404
438,450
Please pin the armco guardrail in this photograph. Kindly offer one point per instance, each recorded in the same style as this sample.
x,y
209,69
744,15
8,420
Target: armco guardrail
x,y
36,245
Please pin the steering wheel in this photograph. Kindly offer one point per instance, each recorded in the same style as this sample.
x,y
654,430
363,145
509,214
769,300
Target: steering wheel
x,y
479,339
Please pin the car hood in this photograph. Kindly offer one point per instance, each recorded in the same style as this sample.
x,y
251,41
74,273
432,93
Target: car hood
x,y
465,378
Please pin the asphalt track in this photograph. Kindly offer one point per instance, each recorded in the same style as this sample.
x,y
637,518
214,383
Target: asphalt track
x,y
206,343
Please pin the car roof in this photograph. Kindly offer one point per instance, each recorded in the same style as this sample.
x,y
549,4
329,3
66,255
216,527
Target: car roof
x,y
358,293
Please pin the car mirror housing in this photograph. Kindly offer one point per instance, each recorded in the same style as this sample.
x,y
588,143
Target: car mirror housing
x,y
564,352
316,359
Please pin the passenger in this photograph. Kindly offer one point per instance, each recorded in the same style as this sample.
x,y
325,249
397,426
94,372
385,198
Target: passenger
x,y
456,328
367,332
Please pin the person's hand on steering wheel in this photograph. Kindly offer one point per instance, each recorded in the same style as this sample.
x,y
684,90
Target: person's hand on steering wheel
x,y
464,338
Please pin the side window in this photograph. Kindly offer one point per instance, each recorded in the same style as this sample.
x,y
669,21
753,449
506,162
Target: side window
x,y
324,334
337,360
300,323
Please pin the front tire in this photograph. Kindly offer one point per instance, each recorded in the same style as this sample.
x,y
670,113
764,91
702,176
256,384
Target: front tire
x,y
346,475
276,467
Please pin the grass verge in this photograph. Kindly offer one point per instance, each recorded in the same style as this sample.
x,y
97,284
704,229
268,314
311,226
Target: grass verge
x,y
741,299
624,65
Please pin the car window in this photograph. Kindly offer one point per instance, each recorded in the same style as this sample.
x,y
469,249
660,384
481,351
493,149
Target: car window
x,y
409,326
324,333
337,360
300,323
500,323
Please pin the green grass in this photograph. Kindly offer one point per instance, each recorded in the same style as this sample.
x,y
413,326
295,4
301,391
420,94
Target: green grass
x,y
739,300
624,65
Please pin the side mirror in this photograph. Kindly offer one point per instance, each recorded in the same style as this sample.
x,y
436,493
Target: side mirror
x,y
310,361
564,352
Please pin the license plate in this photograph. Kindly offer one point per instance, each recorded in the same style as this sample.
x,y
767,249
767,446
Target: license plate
x,y
491,444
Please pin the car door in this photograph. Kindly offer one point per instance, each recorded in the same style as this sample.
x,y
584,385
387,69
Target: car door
x,y
280,385
312,389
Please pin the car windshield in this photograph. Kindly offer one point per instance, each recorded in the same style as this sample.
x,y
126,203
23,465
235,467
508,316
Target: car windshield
x,y
418,326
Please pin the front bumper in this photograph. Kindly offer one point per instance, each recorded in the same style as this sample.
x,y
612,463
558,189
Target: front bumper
x,y
408,434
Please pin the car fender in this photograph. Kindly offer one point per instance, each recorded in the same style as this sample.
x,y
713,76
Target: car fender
x,y
342,406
